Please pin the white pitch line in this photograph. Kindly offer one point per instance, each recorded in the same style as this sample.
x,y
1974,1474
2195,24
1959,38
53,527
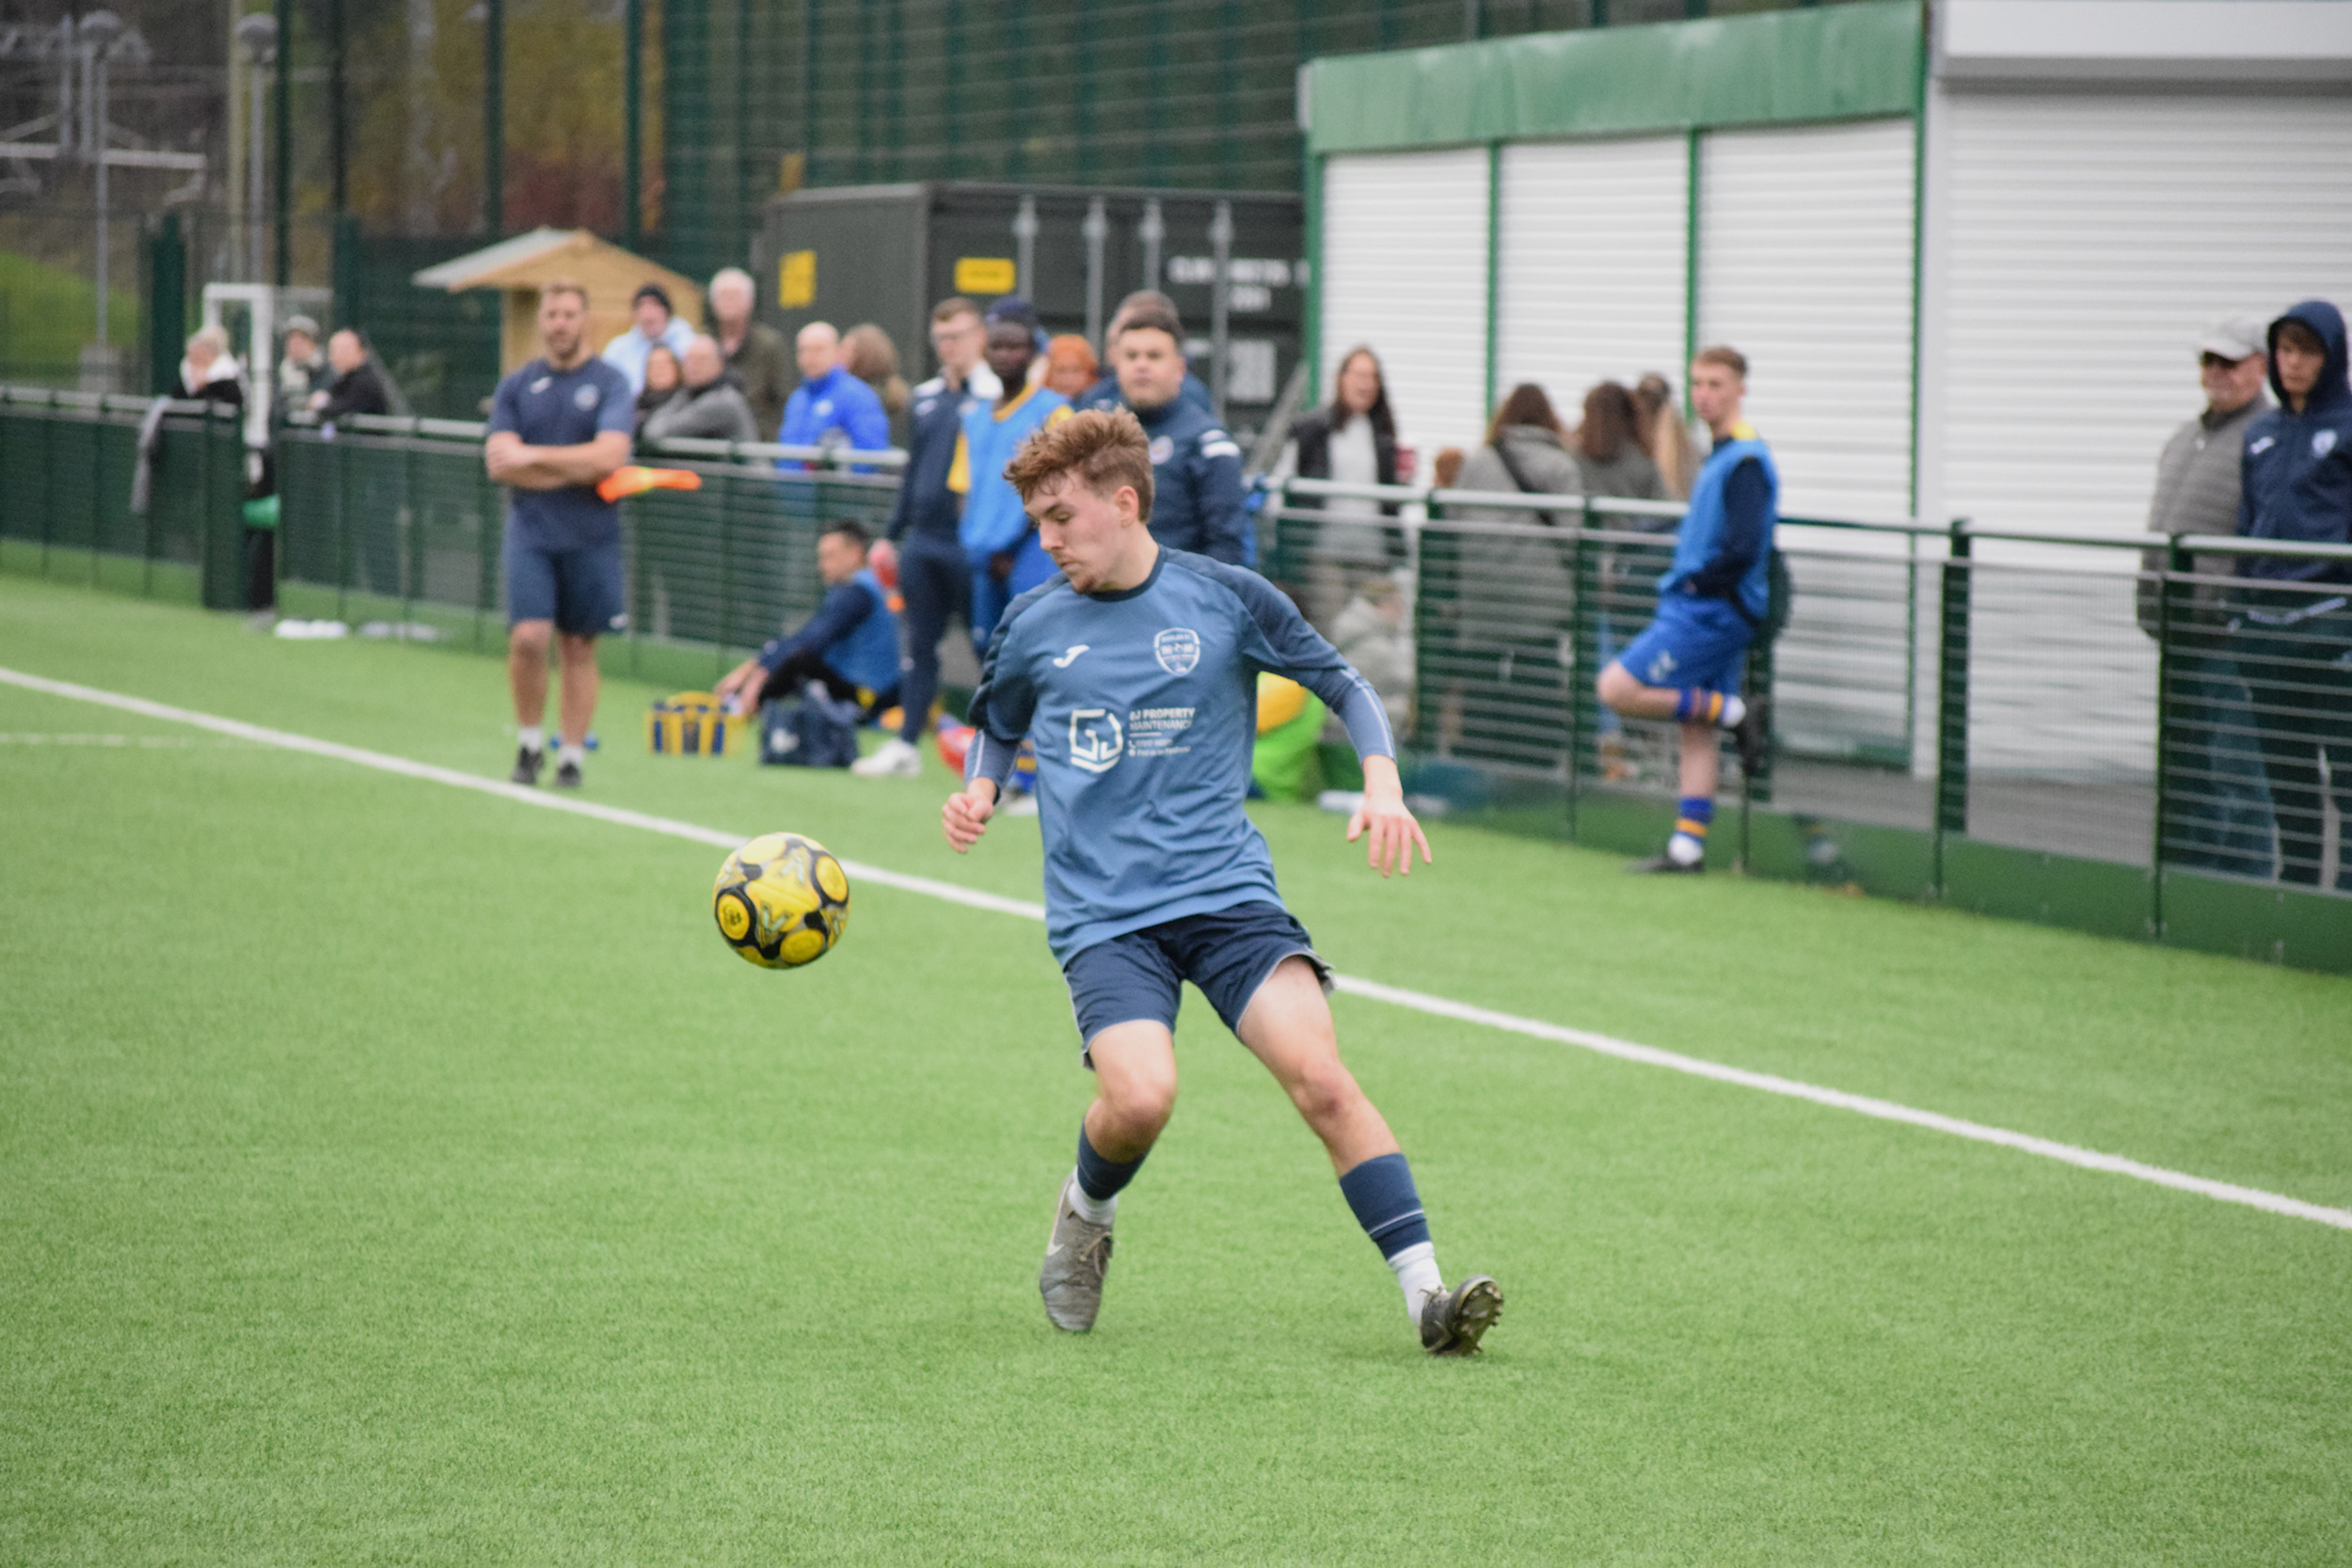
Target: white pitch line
x,y
1421,1001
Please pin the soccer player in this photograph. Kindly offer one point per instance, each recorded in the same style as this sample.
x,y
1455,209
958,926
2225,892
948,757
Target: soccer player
x,y
1134,672
1687,665
998,539
850,643
558,427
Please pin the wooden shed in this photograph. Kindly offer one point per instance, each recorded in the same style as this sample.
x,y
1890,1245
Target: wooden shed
x,y
518,267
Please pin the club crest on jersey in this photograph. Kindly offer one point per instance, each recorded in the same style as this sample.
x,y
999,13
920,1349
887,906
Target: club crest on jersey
x,y
1179,650
2323,443
1163,448
585,399
1095,739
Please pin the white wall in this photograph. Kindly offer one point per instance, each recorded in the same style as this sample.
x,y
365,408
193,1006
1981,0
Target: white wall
x,y
1405,270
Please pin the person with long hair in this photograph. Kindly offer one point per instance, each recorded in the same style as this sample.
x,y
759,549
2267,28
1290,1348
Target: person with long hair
x,y
1609,452
1351,440
1666,435
869,354
1520,589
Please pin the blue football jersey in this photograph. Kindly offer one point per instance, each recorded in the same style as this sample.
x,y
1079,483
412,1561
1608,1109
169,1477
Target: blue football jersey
x,y
1144,706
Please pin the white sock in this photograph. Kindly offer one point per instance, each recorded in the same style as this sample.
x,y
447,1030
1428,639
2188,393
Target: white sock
x,y
1416,1272
533,739
1685,850
1735,709
572,753
1087,1208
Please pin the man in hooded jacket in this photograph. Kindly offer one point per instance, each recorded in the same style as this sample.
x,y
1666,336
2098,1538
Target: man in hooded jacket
x,y
2294,628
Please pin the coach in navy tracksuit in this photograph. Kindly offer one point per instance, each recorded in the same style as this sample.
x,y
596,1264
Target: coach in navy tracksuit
x,y
1198,503
2295,632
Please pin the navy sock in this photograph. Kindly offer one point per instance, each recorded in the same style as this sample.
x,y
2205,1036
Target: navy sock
x,y
1386,1204
1100,1179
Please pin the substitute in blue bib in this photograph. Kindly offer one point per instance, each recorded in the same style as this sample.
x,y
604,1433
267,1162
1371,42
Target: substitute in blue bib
x,y
1134,675
1687,666
999,541
558,427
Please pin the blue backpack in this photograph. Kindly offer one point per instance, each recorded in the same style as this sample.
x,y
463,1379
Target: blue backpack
x,y
813,729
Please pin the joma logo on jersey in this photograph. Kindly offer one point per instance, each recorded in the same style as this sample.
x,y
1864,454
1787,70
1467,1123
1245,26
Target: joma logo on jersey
x,y
1178,649
1095,739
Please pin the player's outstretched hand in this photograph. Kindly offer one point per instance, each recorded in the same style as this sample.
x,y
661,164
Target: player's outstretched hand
x,y
966,814
1387,821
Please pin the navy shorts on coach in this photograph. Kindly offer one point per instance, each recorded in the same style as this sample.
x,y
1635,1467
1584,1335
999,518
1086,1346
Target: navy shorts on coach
x,y
1228,954
1693,641
580,590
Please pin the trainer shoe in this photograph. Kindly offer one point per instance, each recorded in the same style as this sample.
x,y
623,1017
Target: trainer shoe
x,y
892,759
1753,734
567,775
527,765
1452,1321
1077,1257
1665,865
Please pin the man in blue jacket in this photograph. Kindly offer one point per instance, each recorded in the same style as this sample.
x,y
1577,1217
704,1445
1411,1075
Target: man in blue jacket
x,y
1687,665
1104,393
850,644
922,547
1200,505
831,407
2294,628
999,539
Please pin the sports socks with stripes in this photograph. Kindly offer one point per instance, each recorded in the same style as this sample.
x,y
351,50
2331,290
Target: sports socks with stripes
x,y
1692,814
1386,1203
1696,705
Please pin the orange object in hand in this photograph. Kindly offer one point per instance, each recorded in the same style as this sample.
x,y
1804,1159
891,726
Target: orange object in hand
x,y
634,480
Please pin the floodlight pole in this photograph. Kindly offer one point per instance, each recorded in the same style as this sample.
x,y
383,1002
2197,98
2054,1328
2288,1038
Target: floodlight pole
x,y
97,31
258,33
494,117
282,272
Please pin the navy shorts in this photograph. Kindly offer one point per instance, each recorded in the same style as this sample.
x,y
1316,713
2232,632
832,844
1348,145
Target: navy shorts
x,y
1693,641
579,590
1227,953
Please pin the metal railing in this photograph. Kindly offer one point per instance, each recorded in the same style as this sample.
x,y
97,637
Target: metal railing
x,y
2087,731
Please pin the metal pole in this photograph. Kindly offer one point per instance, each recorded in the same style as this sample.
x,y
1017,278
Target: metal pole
x,y
1220,302
1025,249
1151,231
282,272
338,129
633,125
1097,230
97,150
494,117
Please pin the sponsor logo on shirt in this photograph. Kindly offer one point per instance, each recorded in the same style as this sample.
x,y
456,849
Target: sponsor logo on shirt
x,y
1163,448
2258,448
1072,657
2323,443
823,406
1095,739
1154,732
1662,669
586,399
1179,650
541,385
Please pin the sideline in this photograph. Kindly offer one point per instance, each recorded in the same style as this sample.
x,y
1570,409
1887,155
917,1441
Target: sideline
x,y
1437,1007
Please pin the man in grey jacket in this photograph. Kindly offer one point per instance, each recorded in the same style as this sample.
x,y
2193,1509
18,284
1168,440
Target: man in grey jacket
x,y
708,407
2217,812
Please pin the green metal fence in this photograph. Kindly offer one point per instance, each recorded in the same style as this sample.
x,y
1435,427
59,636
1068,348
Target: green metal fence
x,y
2072,731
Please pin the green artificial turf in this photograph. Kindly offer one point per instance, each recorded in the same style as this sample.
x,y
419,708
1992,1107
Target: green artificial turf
x,y
390,1173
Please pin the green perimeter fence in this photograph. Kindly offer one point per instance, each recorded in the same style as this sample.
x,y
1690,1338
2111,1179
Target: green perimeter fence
x,y
2117,735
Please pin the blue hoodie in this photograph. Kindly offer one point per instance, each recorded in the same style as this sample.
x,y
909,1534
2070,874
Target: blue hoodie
x,y
2297,470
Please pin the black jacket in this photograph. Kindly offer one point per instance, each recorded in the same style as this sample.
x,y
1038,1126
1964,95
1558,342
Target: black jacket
x,y
2297,470
358,390
1312,431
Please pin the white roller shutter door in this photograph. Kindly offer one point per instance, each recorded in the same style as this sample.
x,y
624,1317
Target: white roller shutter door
x,y
1806,267
1405,271
1594,249
2086,240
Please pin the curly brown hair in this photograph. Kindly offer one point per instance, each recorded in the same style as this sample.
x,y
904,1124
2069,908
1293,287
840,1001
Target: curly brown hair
x,y
1105,447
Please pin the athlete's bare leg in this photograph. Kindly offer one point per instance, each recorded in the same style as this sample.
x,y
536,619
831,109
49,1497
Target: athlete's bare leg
x,y
1288,1027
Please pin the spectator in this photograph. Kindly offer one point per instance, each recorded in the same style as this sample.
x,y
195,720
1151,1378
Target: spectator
x,y
2219,815
831,407
1523,451
656,324
210,372
664,375
1198,502
1105,392
1665,436
302,369
1446,467
1353,441
2295,644
355,387
850,645
999,539
873,358
1687,666
559,426
1523,588
1609,455
708,407
923,547
756,355
1070,367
